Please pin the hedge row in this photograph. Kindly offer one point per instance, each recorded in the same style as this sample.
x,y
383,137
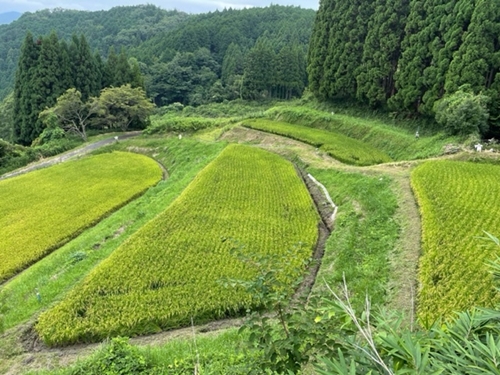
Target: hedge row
x,y
338,146
42,210
170,271
458,201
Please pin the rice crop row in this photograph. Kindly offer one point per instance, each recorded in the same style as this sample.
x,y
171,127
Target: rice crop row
x,y
458,201
170,270
44,209
338,146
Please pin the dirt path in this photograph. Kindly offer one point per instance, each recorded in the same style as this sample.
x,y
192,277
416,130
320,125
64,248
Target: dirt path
x,y
69,155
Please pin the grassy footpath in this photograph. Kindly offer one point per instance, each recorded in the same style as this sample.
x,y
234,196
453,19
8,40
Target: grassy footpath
x,y
364,235
57,273
44,209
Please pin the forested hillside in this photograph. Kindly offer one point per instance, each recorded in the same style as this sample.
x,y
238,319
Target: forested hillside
x,y
405,55
251,54
118,27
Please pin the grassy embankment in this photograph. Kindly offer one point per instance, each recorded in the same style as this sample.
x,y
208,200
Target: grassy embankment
x,y
397,142
41,211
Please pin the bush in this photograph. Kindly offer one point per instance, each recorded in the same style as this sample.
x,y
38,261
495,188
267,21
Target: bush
x,y
463,112
116,358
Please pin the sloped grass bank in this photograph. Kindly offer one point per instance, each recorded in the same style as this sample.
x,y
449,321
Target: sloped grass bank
x,y
58,272
338,146
44,209
458,201
398,143
364,236
170,271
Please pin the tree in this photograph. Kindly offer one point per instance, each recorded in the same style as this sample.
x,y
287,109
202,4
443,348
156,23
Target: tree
x,y
381,51
121,106
7,118
463,112
259,74
232,64
84,68
71,113
24,117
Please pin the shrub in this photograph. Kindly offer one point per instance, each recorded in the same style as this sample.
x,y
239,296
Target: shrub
x,y
463,112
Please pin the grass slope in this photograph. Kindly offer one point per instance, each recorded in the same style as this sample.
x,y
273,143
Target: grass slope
x,y
364,235
42,210
398,143
170,270
458,201
338,146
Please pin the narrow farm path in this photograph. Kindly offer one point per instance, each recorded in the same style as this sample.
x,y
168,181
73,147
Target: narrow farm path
x,y
69,155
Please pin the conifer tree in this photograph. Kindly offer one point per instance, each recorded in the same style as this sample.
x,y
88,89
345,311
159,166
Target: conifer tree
x,y
232,64
381,51
453,18
477,61
108,76
24,116
47,83
345,51
318,47
122,70
99,67
259,73
421,46
85,78
65,66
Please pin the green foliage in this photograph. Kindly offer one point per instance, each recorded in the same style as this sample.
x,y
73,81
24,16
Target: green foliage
x,y
288,342
404,55
124,26
119,107
178,280
338,146
463,112
7,118
454,199
115,357
69,197
69,114
181,124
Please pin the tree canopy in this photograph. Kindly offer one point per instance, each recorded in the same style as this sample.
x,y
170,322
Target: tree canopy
x,y
405,55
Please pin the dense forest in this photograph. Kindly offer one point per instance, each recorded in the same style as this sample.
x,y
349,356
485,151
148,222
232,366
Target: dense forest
x,y
117,27
405,55
188,59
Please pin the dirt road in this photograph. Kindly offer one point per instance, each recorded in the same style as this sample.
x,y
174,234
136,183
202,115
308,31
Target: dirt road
x,y
69,155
